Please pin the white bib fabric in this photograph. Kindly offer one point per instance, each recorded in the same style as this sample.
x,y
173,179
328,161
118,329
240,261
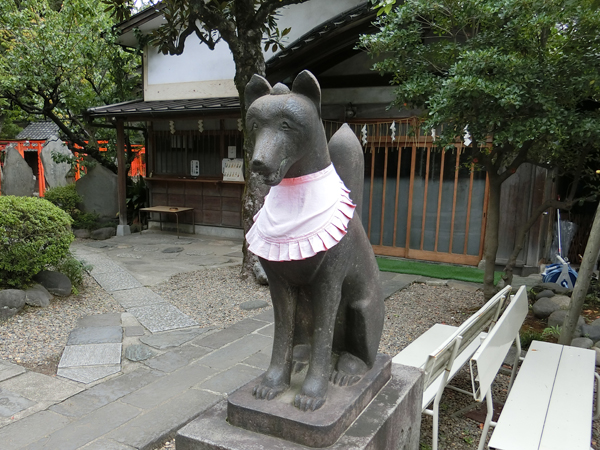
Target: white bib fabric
x,y
301,217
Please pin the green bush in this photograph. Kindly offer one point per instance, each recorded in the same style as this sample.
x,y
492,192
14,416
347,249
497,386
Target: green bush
x,y
65,197
85,221
73,269
34,234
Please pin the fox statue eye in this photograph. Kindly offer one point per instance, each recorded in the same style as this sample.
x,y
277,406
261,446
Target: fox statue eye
x,y
254,126
285,126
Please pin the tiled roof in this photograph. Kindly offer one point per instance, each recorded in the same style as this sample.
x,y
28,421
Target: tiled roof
x,y
140,107
359,13
39,131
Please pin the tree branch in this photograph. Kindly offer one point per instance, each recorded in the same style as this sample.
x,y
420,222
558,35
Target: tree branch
x,y
516,163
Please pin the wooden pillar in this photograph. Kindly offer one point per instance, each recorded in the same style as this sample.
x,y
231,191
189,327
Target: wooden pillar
x,y
121,177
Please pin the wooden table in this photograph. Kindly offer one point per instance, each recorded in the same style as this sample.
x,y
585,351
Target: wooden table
x,y
168,210
550,404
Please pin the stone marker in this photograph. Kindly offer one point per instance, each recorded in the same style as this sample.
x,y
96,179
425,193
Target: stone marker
x,y
55,173
17,176
99,191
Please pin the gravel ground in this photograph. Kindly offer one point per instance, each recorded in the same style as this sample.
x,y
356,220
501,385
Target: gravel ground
x,y
35,338
212,297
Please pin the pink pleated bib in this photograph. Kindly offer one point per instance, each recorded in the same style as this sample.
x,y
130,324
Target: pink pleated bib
x,y
301,217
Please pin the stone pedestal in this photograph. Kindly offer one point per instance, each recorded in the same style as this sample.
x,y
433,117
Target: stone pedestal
x,y
321,428
123,230
392,420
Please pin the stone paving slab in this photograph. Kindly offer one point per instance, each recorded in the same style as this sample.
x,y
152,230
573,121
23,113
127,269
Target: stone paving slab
x,y
30,429
162,317
102,265
260,359
133,331
230,334
268,330
100,320
141,296
117,281
157,424
95,335
170,339
41,388
138,352
265,316
9,370
173,360
398,282
87,429
88,374
104,393
167,387
235,352
106,444
12,403
90,355
231,379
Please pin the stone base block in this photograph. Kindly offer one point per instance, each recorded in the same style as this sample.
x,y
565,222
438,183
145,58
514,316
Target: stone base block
x,y
123,230
321,428
391,421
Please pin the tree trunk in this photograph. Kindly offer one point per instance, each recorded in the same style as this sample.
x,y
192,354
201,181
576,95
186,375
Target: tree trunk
x,y
583,282
249,61
491,238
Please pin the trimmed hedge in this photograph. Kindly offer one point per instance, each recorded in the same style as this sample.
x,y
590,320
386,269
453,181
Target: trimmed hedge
x,y
65,197
34,234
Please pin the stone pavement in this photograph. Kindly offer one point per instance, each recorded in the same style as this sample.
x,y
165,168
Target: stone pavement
x,y
131,380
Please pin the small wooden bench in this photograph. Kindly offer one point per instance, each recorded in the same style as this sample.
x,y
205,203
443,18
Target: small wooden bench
x,y
444,349
550,405
167,210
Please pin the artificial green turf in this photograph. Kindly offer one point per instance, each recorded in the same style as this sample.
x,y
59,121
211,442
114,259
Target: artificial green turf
x,y
443,271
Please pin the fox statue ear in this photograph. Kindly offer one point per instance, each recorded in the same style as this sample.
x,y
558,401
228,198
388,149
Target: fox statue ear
x,y
306,84
257,87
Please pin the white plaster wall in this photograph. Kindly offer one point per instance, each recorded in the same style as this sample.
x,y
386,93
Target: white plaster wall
x,y
197,63
203,73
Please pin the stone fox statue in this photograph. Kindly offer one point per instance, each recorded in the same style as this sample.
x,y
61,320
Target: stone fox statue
x,y
322,273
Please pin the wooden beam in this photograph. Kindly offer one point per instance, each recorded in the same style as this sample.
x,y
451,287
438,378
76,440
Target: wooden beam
x,y
385,163
425,255
410,197
397,192
439,206
424,216
121,173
